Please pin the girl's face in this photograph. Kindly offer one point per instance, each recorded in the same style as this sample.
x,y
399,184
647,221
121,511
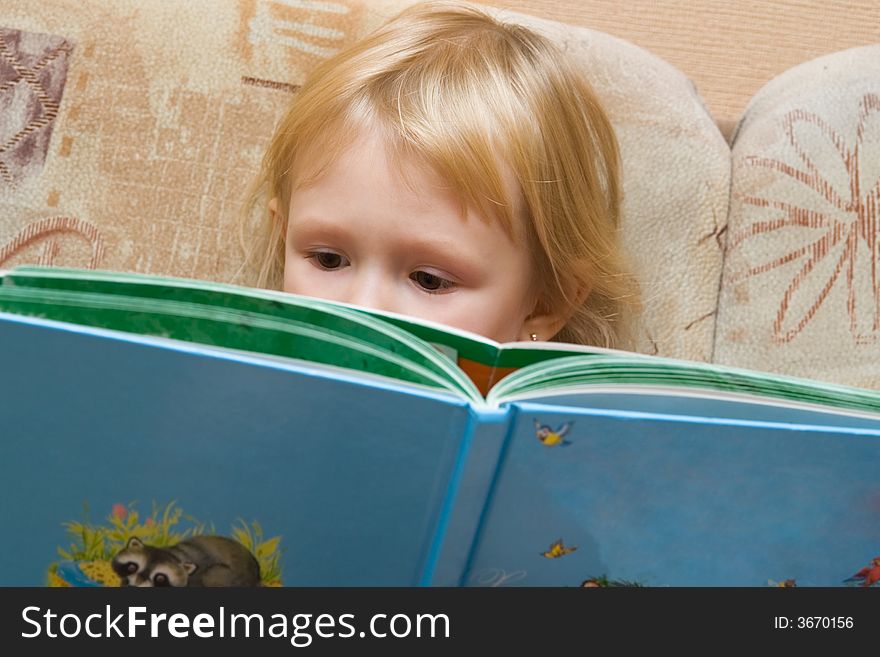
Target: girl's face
x,y
361,234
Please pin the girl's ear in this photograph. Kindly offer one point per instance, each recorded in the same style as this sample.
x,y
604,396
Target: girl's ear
x,y
273,210
542,325
545,322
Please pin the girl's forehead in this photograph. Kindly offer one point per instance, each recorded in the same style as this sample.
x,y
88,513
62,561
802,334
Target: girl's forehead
x,y
368,160
364,200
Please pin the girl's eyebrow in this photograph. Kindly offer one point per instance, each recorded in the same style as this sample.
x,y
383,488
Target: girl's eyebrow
x,y
450,256
310,224
446,252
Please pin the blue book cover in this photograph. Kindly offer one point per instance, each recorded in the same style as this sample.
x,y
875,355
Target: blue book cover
x,y
121,451
663,499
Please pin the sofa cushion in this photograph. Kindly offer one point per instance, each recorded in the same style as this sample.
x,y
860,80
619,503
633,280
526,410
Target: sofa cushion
x,y
801,284
130,130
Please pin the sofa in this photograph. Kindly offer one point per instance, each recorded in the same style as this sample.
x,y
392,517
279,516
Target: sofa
x,y
130,130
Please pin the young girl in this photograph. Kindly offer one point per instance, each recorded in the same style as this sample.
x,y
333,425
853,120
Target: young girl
x,y
453,168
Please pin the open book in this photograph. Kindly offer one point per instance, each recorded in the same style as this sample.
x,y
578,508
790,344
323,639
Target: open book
x,y
377,449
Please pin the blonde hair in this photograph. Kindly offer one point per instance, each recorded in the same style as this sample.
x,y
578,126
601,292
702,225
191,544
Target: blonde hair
x,y
474,98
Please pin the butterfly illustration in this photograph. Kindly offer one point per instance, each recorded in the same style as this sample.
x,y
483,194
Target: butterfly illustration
x,y
551,438
557,549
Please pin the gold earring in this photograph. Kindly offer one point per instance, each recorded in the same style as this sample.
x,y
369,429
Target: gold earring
x,y
534,337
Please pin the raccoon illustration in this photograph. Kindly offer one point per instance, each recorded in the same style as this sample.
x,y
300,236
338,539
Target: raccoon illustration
x,y
198,561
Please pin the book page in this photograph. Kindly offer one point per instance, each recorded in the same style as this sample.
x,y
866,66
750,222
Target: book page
x,y
581,374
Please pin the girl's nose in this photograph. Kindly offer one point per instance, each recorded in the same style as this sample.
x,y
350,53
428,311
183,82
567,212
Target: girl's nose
x,y
372,290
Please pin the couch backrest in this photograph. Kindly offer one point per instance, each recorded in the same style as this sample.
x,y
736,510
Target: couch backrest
x,y
801,287
130,130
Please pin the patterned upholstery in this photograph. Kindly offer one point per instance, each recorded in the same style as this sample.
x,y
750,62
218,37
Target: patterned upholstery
x,y
801,285
129,131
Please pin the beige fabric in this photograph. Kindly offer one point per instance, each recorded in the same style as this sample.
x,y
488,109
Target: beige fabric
x,y
801,286
729,49
130,130
676,185
158,128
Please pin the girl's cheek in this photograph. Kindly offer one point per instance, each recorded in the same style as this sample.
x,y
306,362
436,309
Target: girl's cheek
x,y
296,276
298,279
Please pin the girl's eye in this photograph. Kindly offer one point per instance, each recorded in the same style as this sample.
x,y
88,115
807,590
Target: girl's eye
x,y
328,260
431,283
